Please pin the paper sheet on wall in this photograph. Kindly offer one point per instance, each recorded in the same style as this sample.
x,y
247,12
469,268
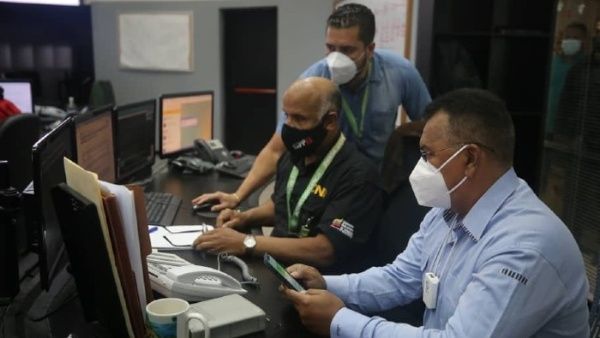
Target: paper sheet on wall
x,y
156,41
86,183
392,21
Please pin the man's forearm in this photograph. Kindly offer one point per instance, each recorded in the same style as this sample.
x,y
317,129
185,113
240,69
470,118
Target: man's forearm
x,y
264,167
315,251
264,214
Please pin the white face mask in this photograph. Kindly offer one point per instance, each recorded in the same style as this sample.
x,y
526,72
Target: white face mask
x,y
429,186
341,68
570,46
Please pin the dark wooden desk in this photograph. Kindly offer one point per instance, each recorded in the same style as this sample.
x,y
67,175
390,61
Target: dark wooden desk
x,y
282,318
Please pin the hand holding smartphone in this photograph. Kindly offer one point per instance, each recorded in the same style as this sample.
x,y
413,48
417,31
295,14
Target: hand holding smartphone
x,y
281,273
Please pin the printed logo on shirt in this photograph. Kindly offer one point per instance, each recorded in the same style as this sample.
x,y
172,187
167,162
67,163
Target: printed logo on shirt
x,y
343,227
517,276
320,191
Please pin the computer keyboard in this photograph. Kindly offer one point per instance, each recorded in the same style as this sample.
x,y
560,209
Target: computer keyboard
x,y
161,207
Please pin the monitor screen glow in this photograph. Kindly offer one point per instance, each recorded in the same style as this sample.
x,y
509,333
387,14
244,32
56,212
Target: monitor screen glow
x,y
46,2
19,93
94,141
184,118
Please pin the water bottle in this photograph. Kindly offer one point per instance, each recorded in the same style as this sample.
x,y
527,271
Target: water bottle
x,y
71,106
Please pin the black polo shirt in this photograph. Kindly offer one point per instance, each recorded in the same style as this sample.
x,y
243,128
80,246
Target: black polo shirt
x,y
345,204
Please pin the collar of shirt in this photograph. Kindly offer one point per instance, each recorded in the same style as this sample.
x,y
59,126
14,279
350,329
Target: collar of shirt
x,y
481,213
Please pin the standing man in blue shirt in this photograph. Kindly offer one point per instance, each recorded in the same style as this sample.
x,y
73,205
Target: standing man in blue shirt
x,y
490,259
373,83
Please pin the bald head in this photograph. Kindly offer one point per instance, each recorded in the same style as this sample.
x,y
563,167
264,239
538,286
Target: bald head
x,y
314,95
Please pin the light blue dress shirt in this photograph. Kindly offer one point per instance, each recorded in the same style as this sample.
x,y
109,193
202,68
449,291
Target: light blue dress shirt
x,y
516,271
393,82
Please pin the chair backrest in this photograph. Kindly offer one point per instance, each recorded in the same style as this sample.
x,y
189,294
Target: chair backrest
x,y
17,135
402,214
102,94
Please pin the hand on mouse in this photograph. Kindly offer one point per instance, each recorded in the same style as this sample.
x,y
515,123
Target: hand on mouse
x,y
225,200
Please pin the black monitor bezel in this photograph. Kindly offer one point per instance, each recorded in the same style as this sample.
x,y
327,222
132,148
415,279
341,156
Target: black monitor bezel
x,y
90,115
160,120
46,272
116,110
30,89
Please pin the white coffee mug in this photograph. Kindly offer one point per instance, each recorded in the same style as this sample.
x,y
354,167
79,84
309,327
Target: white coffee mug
x,y
170,318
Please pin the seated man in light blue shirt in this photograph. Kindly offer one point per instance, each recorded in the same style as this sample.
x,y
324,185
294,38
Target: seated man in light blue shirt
x,y
373,83
490,259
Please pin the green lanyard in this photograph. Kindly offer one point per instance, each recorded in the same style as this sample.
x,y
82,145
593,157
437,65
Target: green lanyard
x,y
293,217
363,107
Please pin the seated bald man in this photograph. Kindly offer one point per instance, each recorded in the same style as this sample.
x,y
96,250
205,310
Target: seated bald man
x,y
327,195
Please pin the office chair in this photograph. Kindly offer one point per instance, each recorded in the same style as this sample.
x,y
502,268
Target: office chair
x,y
17,135
102,94
402,214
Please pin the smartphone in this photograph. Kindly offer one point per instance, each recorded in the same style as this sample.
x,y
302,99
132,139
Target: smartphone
x,y
281,273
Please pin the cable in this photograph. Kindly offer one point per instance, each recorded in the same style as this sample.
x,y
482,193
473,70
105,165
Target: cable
x,y
246,276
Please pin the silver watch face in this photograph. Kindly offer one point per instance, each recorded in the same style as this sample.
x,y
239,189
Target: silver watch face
x,y
250,242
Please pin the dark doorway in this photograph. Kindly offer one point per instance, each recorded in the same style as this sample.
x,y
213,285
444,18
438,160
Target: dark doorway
x,y
250,49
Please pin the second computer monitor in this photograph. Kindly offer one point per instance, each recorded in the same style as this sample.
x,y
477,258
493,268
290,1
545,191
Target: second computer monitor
x,y
183,118
48,171
135,126
94,140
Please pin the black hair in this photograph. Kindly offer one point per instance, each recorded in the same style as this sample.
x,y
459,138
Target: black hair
x,y
351,15
1,93
477,116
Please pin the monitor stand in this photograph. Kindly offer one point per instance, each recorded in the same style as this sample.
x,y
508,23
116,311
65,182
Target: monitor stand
x,y
62,290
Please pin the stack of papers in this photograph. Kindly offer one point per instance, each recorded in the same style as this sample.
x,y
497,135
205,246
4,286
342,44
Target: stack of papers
x,y
176,237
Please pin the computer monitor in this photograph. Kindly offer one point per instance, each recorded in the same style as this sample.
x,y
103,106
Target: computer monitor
x,y
135,127
19,93
183,118
94,142
48,171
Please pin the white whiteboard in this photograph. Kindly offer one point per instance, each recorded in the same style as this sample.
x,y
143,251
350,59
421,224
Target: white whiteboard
x,y
156,41
393,23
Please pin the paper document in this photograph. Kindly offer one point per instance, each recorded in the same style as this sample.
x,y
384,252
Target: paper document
x,y
163,238
86,183
130,228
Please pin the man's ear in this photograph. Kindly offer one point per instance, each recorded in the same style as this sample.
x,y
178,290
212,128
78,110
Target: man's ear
x,y
330,120
371,49
473,153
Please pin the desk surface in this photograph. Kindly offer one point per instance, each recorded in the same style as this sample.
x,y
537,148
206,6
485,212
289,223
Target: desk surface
x,y
282,318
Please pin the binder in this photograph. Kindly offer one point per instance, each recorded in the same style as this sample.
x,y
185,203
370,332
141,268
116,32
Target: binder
x,y
142,223
90,262
128,282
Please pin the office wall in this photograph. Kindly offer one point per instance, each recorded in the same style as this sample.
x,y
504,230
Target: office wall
x,y
301,30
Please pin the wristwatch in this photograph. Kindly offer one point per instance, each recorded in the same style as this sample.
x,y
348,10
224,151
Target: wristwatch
x,y
249,243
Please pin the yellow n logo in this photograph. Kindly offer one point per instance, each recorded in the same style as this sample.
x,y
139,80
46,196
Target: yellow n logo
x,y
320,191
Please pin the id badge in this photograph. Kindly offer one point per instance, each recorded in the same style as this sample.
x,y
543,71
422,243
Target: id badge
x,y
430,290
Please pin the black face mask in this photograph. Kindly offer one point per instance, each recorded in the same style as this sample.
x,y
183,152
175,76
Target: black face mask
x,y
303,142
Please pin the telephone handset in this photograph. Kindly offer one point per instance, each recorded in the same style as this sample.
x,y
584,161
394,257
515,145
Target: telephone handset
x,y
212,151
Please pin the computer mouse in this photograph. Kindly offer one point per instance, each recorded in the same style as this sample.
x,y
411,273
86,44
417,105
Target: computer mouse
x,y
204,207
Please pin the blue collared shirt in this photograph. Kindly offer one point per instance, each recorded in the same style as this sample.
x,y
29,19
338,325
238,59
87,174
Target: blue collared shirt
x,y
516,271
393,82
